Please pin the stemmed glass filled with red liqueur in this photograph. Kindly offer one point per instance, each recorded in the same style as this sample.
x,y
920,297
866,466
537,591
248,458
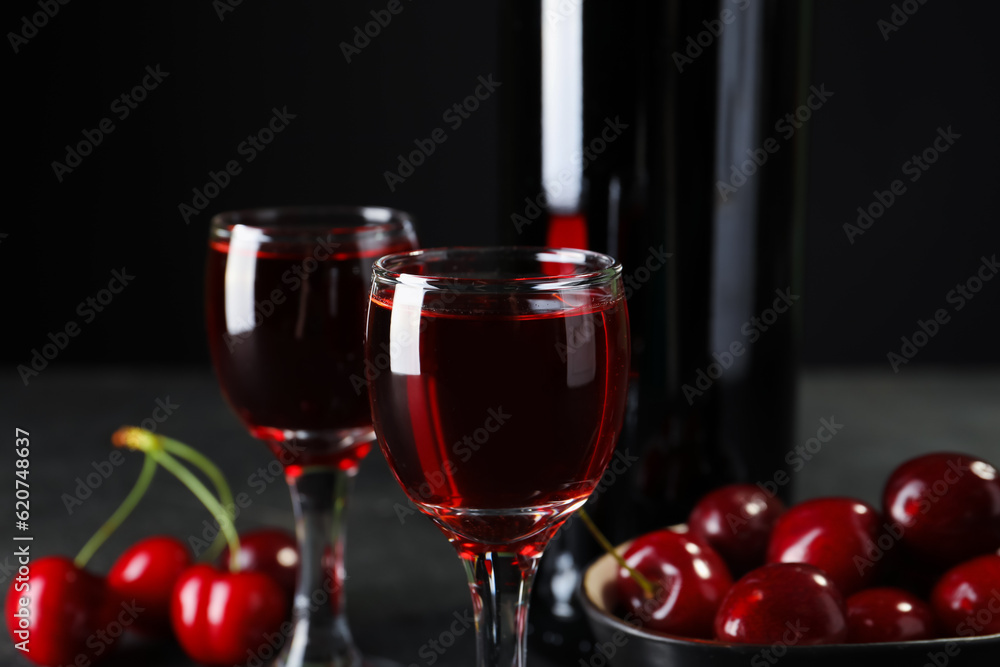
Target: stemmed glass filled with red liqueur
x,y
286,294
497,379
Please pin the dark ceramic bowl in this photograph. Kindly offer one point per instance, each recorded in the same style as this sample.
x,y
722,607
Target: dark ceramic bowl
x,y
620,644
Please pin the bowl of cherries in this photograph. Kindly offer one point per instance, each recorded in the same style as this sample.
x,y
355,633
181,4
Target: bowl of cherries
x,y
830,581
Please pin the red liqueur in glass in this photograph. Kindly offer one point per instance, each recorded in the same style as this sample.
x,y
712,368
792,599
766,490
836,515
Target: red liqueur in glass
x,y
501,409
286,328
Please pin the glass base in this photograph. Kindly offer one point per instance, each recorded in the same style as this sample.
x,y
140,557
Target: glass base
x,y
296,450
501,529
357,661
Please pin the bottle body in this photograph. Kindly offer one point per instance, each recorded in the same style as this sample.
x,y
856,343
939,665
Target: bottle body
x,y
692,174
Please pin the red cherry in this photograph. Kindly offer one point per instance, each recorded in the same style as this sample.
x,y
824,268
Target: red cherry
x,y
69,613
888,615
789,603
967,598
692,576
271,551
736,520
837,535
146,573
948,505
219,616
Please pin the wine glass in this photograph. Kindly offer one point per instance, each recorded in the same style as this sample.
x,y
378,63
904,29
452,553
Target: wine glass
x,y
286,299
497,379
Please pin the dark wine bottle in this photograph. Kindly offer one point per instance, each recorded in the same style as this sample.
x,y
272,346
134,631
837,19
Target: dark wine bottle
x,y
665,132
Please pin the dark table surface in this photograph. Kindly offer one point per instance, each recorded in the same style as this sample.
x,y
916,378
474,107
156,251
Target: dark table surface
x,y
405,582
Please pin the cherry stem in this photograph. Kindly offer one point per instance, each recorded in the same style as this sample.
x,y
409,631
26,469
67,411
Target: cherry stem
x,y
187,478
643,582
212,472
122,513
153,445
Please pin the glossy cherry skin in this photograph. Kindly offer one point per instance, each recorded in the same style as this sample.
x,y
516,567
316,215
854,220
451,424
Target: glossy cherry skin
x,y
736,520
790,603
888,615
67,606
219,616
146,573
967,598
693,580
837,535
272,551
948,505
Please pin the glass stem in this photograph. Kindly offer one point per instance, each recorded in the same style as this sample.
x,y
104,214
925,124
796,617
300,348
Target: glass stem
x,y
501,587
320,635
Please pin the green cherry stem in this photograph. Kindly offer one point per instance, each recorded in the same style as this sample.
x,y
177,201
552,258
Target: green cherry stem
x,y
116,519
152,444
187,478
643,582
212,472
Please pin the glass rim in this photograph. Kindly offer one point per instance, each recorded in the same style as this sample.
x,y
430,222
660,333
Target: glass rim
x,y
384,273
274,223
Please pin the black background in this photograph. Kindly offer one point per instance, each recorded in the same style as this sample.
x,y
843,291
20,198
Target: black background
x,y
119,208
